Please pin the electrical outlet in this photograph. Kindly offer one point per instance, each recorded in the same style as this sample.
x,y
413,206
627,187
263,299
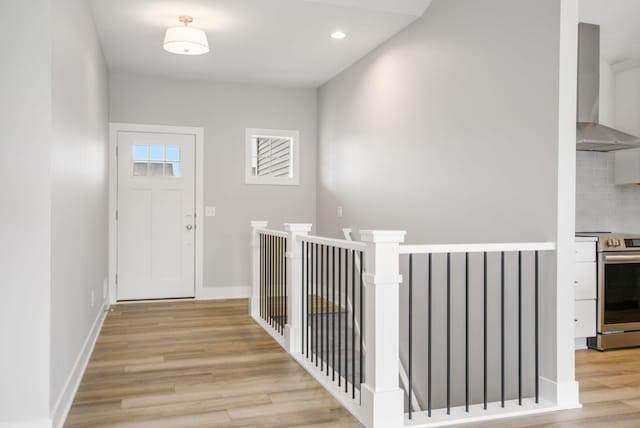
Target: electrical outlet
x,y
210,211
339,212
93,298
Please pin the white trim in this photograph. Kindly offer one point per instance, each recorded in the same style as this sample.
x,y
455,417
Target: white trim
x,y
339,243
65,399
273,233
477,413
281,339
198,133
561,315
560,393
34,423
477,248
249,178
222,293
337,392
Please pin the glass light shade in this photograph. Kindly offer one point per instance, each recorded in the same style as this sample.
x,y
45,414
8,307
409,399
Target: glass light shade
x,y
186,41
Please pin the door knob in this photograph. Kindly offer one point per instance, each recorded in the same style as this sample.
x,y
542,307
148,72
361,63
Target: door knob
x,y
189,227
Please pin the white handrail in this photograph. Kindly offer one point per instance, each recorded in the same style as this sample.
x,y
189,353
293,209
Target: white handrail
x,y
272,232
339,243
477,248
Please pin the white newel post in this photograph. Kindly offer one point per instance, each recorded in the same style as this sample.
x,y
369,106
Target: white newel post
x,y
382,398
254,302
293,328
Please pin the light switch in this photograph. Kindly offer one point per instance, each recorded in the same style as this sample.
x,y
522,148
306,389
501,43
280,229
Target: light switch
x,y
210,212
339,212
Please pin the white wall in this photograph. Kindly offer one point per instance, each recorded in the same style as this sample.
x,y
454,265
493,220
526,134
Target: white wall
x,y
450,130
607,94
79,189
627,100
25,121
225,111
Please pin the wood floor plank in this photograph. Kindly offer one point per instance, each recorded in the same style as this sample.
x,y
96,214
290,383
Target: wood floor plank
x,y
207,364
192,364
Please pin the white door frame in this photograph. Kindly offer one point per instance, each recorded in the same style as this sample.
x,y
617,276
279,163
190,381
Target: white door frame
x,y
198,133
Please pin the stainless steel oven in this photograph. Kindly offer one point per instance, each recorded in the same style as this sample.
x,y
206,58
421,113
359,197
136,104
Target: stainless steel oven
x,y
618,292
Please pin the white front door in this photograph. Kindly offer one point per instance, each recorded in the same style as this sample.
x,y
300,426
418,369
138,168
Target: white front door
x,y
156,210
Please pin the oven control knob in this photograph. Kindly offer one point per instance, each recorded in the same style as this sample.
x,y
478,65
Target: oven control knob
x,y
616,242
609,242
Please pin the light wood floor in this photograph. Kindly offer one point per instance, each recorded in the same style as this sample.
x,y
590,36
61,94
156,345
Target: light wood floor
x,y
609,392
196,364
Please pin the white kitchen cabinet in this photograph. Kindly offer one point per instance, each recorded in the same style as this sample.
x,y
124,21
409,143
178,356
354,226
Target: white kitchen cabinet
x,y
585,282
585,251
585,318
586,290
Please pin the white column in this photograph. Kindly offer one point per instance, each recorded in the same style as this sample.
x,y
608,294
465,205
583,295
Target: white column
x,y
254,302
293,328
382,398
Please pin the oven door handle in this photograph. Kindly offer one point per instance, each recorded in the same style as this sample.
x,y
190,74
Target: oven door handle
x,y
622,258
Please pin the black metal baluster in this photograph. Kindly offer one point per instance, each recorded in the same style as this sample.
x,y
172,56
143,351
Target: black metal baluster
x,y
466,333
346,320
261,269
339,315
429,341
269,278
333,313
278,261
520,328
302,286
321,312
410,334
353,324
313,298
361,321
484,257
315,315
326,311
448,333
308,306
284,282
278,301
536,332
502,328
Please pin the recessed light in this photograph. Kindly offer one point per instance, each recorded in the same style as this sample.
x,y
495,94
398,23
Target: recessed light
x,y
338,35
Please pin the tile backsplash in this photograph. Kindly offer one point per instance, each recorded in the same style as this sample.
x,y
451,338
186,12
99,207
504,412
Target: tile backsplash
x,y
600,204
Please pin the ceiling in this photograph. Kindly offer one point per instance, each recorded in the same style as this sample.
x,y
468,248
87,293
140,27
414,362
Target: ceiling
x,y
274,42
619,29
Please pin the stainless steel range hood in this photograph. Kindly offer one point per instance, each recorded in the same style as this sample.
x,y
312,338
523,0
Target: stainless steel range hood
x,y
591,136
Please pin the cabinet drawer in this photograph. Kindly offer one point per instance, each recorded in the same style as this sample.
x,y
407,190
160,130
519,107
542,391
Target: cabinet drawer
x,y
585,281
585,318
585,251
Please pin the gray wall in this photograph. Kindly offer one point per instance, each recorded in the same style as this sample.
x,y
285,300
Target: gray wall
x,y
225,111
79,185
450,131
25,122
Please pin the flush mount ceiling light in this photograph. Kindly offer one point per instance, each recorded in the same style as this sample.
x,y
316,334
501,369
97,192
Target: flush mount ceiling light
x,y
338,35
186,40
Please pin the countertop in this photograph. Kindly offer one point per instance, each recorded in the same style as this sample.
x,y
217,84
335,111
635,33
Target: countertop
x,y
586,239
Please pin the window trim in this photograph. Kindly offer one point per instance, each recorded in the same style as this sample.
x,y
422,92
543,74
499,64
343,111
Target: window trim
x,y
294,180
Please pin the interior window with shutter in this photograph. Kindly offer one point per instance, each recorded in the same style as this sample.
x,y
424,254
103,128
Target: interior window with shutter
x,y
272,157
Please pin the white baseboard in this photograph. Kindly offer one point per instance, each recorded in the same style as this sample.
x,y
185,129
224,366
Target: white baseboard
x,y
566,395
65,399
221,293
36,423
581,343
